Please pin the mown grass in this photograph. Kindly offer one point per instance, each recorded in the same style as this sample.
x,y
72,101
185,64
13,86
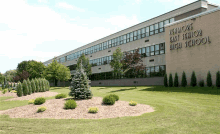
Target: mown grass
x,y
178,110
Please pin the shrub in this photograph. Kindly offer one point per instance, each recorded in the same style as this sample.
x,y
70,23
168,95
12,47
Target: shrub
x,y
165,80
25,88
93,110
176,81
60,96
41,109
42,85
209,79
31,101
193,79
115,96
33,86
201,83
39,101
4,91
70,104
19,89
218,79
184,81
170,80
132,103
29,87
108,100
14,91
37,85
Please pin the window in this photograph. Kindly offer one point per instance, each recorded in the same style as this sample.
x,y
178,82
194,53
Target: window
x,y
97,48
147,31
156,26
109,43
69,57
116,41
78,53
143,52
148,51
91,50
100,47
142,32
151,71
104,46
128,37
104,60
162,48
90,62
62,59
139,34
172,20
121,41
124,39
156,69
157,49
113,42
135,35
166,22
152,30
161,28
152,50
131,36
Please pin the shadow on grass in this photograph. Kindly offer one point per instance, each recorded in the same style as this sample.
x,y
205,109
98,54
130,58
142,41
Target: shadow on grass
x,y
122,90
200,90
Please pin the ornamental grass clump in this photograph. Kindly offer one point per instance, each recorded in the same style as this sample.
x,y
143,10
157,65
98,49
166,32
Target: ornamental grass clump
x,y
41,109
39,101
115,96
108,100
59,96
70,104
132,103
31,101
93,110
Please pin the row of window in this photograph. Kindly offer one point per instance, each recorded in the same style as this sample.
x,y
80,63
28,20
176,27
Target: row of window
x,y
135,35
148,72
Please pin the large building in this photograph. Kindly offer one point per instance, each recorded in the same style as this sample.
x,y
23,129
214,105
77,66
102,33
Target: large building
x,y
185,39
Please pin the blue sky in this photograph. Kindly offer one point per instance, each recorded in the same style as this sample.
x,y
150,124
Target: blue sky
x,y
41,29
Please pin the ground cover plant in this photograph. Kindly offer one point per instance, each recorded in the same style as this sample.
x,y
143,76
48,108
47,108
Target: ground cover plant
x,y
132,103
31,101
178,110
93,110
41,109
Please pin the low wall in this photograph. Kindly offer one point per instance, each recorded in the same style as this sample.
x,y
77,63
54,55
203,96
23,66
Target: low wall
x,y
129,82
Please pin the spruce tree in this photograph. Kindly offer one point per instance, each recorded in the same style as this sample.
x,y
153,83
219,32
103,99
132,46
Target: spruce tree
x,y
165,80
19,89
170,81
218,79
176,81
79,87
193,79
29,87
25,87
184,81
33,86
37,85
209,79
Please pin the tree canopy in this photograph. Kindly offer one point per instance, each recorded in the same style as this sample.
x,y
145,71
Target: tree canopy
x,y
85,64
116,62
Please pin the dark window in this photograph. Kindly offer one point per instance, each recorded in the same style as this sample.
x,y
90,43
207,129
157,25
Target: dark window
x,y
162,48
143,52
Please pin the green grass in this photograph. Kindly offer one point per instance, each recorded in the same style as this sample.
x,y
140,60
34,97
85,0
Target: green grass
x,y
178,110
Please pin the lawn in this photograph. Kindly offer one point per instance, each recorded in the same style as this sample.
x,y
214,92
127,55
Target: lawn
x,y
178,110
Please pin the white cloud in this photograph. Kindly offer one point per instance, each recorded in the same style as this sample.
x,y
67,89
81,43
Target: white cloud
x,y
122,21
70,7
43,1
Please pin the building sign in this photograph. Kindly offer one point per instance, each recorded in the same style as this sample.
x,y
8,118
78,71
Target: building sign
x,y
189,35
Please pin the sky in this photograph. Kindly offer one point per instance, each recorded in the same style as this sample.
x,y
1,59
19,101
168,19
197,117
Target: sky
x,y
42,29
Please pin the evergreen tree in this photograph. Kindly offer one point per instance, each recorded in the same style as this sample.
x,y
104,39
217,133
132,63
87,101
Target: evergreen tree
x,y
209,79
37,85
176,81
25,87
165,80
170,81
218,79
43,85
80,86
184,81
29,87
19,89
33,86
193,79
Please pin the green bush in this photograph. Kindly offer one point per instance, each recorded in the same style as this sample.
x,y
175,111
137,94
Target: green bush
x,y
29,86
14,91
70,104
115,96
201,83
42,85
170,81
31,101
209,79
193,79
39,101
108,100
132,103
25,88
4,91
93,110
218,79
184,81
60,96
165,80
19,89
37,85
33,86
176,81
41,109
